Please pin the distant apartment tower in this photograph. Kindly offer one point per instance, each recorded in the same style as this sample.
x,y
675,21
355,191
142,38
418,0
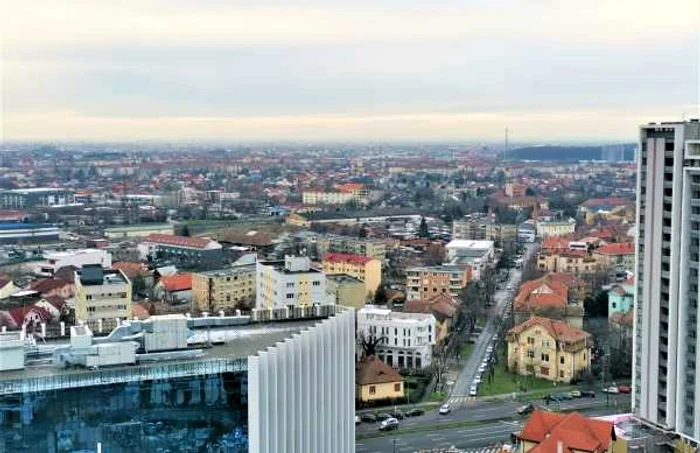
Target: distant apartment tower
x,y
428,281
373,248
290,283
35,197
101,294
666,378
366,269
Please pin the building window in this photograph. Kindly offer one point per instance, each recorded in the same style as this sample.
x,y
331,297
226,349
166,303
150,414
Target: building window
x,y
561,373
544,371
290,284
530,340
372,390
545,357
561,360
530,354
545,343
316,283
290,295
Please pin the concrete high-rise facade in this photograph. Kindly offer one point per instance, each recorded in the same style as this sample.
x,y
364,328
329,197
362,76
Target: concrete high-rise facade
x,y
666,378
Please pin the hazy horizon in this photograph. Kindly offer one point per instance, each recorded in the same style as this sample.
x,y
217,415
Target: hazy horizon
x,y
320,72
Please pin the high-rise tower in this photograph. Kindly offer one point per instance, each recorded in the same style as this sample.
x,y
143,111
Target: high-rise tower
x,y
666,377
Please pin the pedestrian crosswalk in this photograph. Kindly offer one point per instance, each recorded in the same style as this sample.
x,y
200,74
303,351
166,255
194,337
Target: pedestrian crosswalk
x,y
458,401
494,449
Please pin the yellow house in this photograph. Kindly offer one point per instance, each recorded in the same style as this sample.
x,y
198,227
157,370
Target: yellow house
x,y
364,268
375,380
548,349
577,262
297,220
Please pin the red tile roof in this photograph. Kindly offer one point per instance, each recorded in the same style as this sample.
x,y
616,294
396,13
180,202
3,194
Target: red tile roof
x,y
20,313
442,306
48,284
560,330
371,370
131,269
178,282
620,248
574,431
178,241
552,290
346,258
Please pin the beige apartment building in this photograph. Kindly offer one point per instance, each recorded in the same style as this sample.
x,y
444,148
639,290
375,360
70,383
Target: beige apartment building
x,y
222,289
101,294
372,248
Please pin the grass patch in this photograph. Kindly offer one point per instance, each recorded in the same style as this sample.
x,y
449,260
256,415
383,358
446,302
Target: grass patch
x,y
505,382
438,396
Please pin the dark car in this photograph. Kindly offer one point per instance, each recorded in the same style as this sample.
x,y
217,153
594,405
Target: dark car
x,y
383,416
564,396
415,412
368,418
587,394
525,410
397,414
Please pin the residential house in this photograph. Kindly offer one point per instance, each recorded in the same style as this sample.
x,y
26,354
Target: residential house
x,y
174,289
427,281
53,287
577,262
554,296
548,349
553,432
555,227
364,268
443,307
376,381
616,256
621,297
405,339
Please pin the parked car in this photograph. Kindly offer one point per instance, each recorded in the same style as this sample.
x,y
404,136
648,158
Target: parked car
x,y
509,287
624,388
368,418
575,394
473,390
389,424
383,416
477,379
564,396
445,409
415,412
525,410
397,414
612,390
587,394
358,420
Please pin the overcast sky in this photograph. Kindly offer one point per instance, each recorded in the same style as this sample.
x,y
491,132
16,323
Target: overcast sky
x,y
351,69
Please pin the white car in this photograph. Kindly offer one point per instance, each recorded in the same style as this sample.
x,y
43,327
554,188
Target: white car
x,y
612,389
477,379
509,287
358,420
472,390
489,350
445,409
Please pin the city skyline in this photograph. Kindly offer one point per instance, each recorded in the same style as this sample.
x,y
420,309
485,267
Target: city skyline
x,y
329,71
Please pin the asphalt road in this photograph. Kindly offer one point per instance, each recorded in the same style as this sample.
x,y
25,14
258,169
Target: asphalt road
x,y
482,435
502,297
476,410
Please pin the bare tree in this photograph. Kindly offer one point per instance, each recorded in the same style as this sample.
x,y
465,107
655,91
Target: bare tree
x,y
369,343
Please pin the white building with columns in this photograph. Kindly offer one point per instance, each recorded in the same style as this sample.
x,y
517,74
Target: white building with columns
x,y
406,339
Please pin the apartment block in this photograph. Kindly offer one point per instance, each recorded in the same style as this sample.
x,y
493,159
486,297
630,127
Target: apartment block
x,y
428,281
222,289
372,248
482,228
365,269
101,294
289,283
